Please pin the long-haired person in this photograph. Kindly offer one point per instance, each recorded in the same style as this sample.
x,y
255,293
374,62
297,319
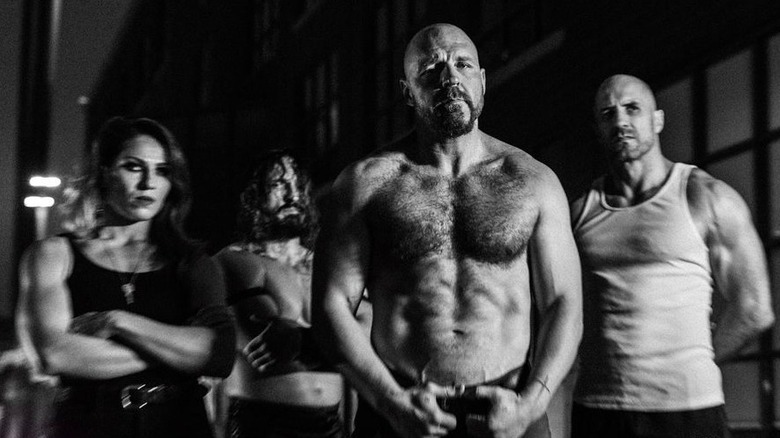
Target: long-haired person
x,y
125,308
280,386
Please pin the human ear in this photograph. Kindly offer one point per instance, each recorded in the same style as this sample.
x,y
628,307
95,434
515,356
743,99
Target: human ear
x,y
658,121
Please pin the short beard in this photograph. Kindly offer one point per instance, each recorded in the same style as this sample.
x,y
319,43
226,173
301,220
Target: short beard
x,y
263,227
448,120
289,227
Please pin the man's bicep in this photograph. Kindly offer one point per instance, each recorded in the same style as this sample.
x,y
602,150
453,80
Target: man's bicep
x,y
554,257
736,252
341,256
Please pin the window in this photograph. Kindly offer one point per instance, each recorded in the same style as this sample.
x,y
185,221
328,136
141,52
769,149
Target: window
x,y
774,81
729,108
677,136
393,117
266,29
320,108
508,28
774,189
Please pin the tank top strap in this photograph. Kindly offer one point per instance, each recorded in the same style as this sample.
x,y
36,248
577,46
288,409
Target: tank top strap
x,y
684,173
592,200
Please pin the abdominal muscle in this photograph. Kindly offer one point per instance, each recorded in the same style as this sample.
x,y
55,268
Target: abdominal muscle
x,y
306,388
460,323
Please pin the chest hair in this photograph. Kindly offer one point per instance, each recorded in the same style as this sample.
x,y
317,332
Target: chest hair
x,y
487,216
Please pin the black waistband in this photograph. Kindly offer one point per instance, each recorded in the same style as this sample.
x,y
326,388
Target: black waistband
x,y
466,402
158,392
280,408
513,379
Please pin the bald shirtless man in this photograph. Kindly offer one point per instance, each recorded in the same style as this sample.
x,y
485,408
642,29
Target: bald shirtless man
x,y
459,239
657,239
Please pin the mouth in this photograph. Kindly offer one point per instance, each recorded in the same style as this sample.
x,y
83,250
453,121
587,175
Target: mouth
x,y
448,100
143,201
621,137
288,208
449,95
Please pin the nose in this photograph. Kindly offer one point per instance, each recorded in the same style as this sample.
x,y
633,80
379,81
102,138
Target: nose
x,y
621,118
292,193
148,181
449,76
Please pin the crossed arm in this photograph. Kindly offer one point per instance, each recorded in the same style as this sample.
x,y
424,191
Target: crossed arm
x,y
91,349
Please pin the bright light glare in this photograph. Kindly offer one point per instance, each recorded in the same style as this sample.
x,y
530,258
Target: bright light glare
x,y
38,201
45,181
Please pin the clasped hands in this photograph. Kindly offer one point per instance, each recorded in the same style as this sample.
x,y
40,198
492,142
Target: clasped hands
x,y
418,411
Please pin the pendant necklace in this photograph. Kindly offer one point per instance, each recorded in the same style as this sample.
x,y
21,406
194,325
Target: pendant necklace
x,y
127,287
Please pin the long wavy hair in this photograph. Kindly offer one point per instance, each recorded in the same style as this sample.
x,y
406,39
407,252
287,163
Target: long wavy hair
x,y
86,195
256,226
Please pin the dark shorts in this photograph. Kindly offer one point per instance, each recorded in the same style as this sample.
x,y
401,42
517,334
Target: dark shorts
x,y
256,419
369,424
605,423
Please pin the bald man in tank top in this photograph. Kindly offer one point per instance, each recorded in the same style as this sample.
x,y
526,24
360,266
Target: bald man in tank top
x,y
458,238
656,239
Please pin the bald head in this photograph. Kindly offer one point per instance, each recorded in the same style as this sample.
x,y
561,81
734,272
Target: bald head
x,y
428,39
619,82
627,119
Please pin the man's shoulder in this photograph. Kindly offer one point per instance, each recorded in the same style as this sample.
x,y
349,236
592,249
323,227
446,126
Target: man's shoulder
x,y
520,164
242,268
237,255
361,178
232,250
380,163
710,197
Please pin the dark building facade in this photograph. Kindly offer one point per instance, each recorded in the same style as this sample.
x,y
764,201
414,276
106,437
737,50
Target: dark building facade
x,y
321,76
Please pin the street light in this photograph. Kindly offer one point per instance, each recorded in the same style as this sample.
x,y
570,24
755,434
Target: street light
x,y
41,202
45,181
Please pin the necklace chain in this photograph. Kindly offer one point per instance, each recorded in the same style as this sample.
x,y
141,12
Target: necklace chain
x,y
127,287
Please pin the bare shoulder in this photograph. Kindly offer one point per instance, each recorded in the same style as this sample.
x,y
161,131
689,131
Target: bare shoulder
x,y
51,257
359,180
242,268
54,253
520,164
230,254
711,200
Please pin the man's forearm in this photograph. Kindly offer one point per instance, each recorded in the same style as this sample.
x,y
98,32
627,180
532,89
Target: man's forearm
x,y
556,349
735,329
344,342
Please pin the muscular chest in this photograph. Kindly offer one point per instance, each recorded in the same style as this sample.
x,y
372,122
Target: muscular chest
x,y
488,217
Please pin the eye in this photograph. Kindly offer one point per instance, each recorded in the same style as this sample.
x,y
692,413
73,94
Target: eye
x,y
428,70
463,64
164,170
131,166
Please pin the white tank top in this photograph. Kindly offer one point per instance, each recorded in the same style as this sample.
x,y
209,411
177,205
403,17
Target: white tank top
x,y
647,292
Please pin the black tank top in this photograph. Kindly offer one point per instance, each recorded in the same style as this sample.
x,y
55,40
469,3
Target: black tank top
x,y
158,295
